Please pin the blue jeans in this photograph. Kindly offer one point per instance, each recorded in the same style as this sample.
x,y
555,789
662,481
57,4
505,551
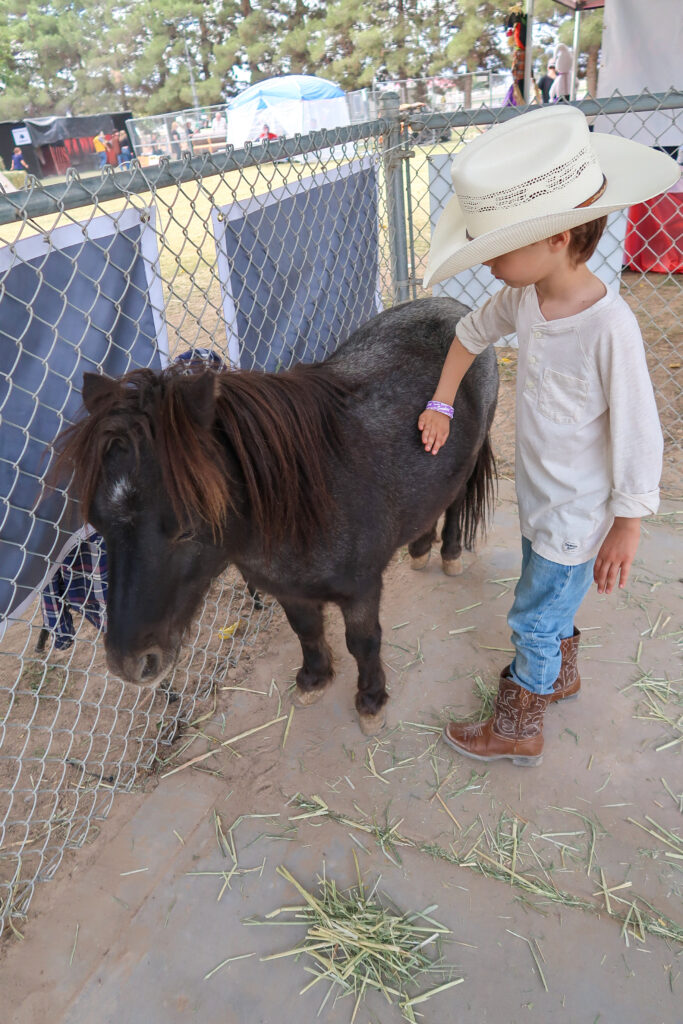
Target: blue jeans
x,y
547,597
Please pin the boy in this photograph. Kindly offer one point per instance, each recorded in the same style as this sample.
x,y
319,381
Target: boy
x,y
532,198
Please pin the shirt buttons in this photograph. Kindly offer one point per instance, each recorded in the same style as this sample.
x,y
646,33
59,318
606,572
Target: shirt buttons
x,y
533,359
538,334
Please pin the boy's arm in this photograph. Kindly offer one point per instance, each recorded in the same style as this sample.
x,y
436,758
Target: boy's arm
x,y
435,426
636,451
475,332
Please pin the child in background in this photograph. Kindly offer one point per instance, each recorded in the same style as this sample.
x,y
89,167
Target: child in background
x,y
532,198
18,162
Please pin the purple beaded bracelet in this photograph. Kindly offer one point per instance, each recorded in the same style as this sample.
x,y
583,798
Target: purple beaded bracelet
x,y
443,407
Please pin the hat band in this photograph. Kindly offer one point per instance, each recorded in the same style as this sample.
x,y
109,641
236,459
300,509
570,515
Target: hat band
x,y
587,202
596,195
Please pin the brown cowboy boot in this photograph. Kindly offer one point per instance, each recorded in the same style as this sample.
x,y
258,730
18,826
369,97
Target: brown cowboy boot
x,y
568,683
515,730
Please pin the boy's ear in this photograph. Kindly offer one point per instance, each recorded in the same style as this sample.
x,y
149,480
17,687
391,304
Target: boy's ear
x,y
561,240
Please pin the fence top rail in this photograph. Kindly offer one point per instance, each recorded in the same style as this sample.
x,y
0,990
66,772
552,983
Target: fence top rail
x,y
40,200
615,104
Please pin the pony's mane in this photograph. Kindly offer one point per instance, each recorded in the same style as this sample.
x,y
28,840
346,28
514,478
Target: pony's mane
x,y
283,429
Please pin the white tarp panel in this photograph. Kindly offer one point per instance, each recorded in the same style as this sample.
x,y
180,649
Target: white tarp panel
x,y
642,47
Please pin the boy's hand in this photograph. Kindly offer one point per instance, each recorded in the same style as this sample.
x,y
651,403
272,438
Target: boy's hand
x,y
435,427
616,554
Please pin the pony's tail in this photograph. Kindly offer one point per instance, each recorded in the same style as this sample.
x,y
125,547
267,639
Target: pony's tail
x,y
476,510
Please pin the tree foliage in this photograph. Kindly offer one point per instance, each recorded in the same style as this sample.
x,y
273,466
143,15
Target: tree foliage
x,y
59,55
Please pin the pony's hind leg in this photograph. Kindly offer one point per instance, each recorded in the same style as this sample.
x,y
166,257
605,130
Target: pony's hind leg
x,y
451,541
419,550
364,640
306,619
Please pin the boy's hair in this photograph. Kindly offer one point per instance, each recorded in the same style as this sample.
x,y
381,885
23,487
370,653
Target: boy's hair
x,y
584,240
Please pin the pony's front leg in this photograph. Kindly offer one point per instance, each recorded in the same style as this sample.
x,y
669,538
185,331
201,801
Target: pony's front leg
x,y
306,619
364,640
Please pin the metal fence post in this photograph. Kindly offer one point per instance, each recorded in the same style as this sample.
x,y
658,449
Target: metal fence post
x,y
396,213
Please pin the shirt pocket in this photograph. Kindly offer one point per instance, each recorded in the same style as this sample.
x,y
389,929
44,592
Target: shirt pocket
x,y
562,398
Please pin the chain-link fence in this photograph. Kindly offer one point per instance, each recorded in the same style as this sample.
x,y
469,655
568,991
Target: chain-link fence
x,y
640,253
262,257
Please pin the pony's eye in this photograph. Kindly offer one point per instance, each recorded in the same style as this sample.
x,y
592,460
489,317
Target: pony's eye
x,y
186,535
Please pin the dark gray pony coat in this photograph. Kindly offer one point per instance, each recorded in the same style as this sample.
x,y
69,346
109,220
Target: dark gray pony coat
x,y
317,523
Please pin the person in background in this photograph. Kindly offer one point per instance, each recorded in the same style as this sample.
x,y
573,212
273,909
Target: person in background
x,y
125,156
101,145
219,124
545,83
266,134
561,88
18,162
175,141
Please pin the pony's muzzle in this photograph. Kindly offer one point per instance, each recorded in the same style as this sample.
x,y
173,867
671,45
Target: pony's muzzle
x,y
145,668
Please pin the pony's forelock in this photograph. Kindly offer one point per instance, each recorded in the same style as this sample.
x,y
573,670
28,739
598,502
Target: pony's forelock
x,y
280,428
140,407
192,463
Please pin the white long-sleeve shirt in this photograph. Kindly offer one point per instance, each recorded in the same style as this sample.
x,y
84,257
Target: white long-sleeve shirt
x,y
588,439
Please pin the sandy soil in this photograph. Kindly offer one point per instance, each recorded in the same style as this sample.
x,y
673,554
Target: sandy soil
x,y
134,922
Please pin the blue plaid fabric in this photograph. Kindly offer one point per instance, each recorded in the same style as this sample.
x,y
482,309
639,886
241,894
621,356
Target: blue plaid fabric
x,y
199,359
80,583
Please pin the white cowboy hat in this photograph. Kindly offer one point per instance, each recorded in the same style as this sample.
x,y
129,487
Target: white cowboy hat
x,y
534,176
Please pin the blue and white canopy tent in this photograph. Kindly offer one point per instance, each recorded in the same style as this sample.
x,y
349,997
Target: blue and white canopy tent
x,y
289,105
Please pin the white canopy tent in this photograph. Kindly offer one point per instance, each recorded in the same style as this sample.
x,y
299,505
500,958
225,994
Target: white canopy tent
x,y
289,105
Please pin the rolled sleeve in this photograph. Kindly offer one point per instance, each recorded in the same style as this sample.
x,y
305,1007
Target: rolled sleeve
x,y
634,506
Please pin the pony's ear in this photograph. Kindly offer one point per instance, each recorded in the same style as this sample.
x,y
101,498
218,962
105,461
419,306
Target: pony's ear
x,y
200,397
95,387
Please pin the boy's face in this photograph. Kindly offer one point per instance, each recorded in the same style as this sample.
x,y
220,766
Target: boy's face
x,y
530,264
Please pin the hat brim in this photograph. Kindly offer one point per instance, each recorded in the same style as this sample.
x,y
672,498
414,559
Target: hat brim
x,y
633,173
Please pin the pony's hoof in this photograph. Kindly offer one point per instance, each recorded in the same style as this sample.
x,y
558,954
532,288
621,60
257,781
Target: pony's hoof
x,y
452,566
419,562
370,725
304,698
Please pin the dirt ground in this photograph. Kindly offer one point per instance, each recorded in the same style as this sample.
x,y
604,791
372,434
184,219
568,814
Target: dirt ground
x,y
561,885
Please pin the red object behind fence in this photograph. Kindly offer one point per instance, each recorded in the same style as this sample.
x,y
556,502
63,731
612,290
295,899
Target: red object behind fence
x,y
654,234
